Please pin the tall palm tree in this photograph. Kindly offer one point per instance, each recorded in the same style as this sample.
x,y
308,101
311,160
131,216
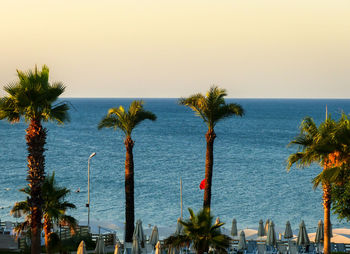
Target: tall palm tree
x,y
126,121
54,208
200,230
338,168
319,145
33,98
212,109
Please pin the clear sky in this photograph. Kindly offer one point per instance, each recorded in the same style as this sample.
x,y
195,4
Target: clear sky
x,y
161,48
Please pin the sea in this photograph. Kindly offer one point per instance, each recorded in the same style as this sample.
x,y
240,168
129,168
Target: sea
x,y
250,180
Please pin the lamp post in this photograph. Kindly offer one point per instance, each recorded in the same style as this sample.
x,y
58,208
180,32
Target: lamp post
x,y
88,203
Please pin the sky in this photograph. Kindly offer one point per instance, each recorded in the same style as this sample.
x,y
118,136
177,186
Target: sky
x,y
161,48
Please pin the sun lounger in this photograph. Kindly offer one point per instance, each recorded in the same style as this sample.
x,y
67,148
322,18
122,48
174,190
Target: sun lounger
x,y
292,247
282,249
341,247
261,248
252,247
333,247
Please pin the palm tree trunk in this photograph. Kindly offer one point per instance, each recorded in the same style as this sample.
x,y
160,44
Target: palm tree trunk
x,y
47,230
327,206
209,161
129,189
36,139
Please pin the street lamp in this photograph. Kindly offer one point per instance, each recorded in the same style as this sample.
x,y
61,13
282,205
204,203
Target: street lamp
x,y
88,203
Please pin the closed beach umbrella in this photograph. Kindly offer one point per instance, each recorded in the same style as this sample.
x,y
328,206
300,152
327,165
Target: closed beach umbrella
x,y
138,232
330,230
81,248
271,235
288,233
242,245
217,221
154,238
136,248
179,228
319,232
100,246
261,230
158,248
303,238
234,228
117,249
267,226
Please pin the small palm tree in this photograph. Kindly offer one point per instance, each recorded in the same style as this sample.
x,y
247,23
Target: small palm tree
x,y
126,121
212,109
33,98
321,145
200,230
54,208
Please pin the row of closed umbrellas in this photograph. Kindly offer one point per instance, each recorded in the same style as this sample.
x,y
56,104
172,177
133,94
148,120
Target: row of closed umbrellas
x,y
269,232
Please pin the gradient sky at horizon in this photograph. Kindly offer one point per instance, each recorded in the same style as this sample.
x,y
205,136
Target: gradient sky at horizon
x,y
161,48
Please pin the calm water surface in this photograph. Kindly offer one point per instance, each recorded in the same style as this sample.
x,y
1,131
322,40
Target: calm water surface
x,y
250,181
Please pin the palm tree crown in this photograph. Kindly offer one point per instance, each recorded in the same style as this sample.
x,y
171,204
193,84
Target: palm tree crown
x,y
32,96
200,230
126,121
212,107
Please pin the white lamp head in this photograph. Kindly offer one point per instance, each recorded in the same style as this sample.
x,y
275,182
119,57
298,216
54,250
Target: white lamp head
x,y
92,155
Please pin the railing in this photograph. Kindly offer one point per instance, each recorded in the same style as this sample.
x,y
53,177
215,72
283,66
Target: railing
x,y
109,239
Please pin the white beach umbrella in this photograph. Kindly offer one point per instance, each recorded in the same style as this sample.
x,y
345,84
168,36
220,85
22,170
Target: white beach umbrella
x,y
81,248
100,246
217,221
303,238
267,222
154,238
271,235
261,230
138,232
158,248
179,228
136,248
242,244
319,232
288,233
117,249
234,228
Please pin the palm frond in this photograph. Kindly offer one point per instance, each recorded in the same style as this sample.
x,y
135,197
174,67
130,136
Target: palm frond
x,y
212,107
126,121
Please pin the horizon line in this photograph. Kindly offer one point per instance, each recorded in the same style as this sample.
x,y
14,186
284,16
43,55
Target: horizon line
x,y
249,98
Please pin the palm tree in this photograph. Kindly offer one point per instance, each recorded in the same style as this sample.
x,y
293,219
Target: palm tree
x,y
33,98
126,121
202,232
54,208
338,165
211,108
319,145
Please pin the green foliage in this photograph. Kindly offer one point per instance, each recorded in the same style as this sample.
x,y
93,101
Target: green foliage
x,y
126,121
202,232
329,146
341,196
212,107
54,206
72,243
33,97
314,144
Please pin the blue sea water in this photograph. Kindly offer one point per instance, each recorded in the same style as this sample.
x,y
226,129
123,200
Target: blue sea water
x,y
250,181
